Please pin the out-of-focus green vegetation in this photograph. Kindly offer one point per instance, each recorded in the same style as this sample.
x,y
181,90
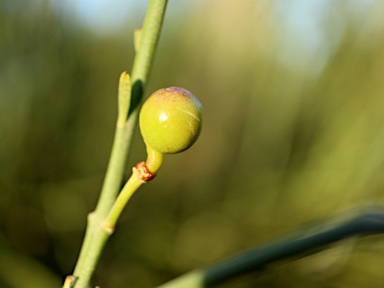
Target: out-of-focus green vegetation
x,y
288,139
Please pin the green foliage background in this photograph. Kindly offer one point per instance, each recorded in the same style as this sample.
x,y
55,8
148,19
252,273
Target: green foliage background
x,y
283,145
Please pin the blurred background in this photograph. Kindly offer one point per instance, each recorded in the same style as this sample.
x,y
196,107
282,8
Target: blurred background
x,y
293,133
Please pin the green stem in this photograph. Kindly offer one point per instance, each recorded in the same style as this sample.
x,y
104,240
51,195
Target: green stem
x,y
96,235
306,241
146,49
141,66
91,250
126,193
194,279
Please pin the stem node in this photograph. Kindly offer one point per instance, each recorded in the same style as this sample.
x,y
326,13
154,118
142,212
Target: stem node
x,y
143,172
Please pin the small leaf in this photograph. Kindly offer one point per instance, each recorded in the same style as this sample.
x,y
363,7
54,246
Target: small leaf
x,y
124,98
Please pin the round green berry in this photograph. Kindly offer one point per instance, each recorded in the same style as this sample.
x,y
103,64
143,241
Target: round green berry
x,y
170,120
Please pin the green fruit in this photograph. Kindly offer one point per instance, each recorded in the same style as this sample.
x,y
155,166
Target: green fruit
x,y
170,120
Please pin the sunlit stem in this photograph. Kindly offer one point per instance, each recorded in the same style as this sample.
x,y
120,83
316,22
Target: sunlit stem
x,y
126,193
96,233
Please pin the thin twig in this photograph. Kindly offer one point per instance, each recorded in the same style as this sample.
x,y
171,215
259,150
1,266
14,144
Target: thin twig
x,y
293,246
96,235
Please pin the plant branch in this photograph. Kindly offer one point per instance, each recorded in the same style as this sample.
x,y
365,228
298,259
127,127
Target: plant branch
x,y
141,66
96,235
292,247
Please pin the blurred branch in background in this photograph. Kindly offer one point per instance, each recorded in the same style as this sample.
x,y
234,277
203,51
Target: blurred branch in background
x,y
293,134
301,243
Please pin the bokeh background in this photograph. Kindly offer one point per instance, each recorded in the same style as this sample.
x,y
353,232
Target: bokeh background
x,y
293,93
